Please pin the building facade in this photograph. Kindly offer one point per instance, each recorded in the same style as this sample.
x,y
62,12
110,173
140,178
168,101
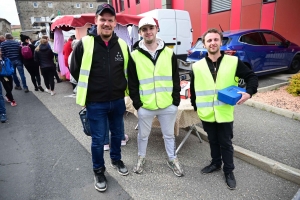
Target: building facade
x,y
35,15
5,26
279,15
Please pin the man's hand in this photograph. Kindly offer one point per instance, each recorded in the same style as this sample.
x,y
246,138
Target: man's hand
x,y
245,97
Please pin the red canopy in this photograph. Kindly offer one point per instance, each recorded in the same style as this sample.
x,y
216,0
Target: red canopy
x,y
68,22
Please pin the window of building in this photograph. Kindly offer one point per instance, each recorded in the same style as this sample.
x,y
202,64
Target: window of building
x,y
219,5
37,19
77,5
137,1
128,3
268,1
91,5
50,5
252,38
35,5
121,5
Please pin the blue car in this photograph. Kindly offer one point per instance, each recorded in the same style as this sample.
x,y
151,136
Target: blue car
x,y
264,51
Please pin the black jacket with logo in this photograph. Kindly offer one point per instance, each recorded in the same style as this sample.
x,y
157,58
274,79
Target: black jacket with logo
x,y
107,80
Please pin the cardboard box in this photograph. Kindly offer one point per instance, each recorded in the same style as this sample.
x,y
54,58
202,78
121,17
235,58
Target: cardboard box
x,y
230,95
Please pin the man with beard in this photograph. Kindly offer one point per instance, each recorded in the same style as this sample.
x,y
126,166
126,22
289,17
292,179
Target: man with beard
x,y
99,65
215,72
154,87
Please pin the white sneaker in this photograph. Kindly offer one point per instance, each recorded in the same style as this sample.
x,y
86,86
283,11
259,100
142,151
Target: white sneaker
x,y
52,93
106,147
124,142
48,91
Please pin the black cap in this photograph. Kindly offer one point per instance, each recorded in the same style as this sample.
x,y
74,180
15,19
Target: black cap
x,y
107,7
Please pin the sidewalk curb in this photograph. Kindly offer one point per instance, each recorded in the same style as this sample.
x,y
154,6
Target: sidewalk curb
x,y
269,108
267,164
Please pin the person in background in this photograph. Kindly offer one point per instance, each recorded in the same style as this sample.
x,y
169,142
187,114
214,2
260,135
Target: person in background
x,y
12,50
99,65
216,116
3,117
154,87
31,66
2,39
7,81
51,44
44,56
68,49
72,80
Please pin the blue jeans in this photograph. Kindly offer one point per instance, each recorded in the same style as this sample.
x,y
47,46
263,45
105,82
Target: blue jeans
x,y
2,105
107,133
17,64
98,114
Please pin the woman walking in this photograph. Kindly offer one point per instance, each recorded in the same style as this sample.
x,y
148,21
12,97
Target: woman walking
x,y
32,67
7,80
44,56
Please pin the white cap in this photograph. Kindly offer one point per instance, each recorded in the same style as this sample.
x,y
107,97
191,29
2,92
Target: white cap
x,y
146,21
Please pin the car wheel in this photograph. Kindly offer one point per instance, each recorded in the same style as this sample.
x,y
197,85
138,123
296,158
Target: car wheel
x,y
242,83
295,66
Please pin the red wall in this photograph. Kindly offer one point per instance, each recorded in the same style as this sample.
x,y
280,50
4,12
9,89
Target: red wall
x,y
281,16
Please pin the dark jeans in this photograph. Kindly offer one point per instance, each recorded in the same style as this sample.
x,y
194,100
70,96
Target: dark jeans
x,y
34,71
17,64
48,74
98,113
106,141
219,136
8,86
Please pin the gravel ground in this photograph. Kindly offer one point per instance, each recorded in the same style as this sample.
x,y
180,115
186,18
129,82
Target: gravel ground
x,y
279,98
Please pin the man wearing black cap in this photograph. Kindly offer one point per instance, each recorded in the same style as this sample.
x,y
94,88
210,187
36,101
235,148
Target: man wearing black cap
x,y
99,65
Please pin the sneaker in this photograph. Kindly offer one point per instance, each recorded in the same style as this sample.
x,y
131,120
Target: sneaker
x,y
36,89
40,88
230,180
52,93
100,179
13,103
176,167
3,118
138,169
106,147
26,90
119,165
124,142
210,168
6,99
18,88
48,91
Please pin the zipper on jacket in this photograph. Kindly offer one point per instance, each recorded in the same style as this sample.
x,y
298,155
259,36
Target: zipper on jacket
x,y
215,73
109,75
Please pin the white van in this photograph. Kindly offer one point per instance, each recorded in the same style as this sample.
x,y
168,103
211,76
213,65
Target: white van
x,y
175,29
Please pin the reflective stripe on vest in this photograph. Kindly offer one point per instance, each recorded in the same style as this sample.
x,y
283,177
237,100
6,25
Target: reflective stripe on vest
x,y
209,108
156,83
88,47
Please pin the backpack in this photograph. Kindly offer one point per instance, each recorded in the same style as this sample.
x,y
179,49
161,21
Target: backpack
x,y
26,52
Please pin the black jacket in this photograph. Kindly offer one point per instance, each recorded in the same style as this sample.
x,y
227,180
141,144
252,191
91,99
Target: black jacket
x,y
107,80
242,71
44,56
133,81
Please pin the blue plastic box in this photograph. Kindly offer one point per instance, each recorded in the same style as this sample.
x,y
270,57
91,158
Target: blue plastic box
x,y
230,95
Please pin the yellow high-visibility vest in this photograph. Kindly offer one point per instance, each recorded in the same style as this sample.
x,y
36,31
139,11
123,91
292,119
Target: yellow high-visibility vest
x,y
156,82
88,47
209,108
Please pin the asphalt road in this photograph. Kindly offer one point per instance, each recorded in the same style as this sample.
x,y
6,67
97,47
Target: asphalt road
x,y
45,155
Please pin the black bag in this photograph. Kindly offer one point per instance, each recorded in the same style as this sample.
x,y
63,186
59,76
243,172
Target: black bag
x,y
85,122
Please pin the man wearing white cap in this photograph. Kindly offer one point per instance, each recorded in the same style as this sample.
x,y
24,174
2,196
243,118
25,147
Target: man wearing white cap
x,y
154,87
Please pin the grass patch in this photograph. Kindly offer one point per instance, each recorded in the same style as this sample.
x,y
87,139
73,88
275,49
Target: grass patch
x,y
16,34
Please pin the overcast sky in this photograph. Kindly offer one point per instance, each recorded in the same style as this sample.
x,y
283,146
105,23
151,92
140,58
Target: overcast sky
x,y
8,11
